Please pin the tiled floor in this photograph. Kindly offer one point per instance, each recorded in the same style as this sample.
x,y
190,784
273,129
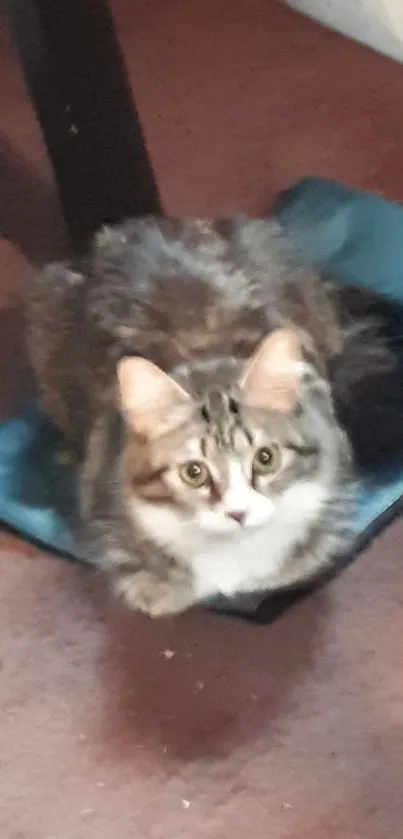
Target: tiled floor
x,y
111,725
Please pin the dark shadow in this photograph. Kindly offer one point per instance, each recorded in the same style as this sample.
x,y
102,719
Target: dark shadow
x,y
15,376
198,686
83,102
30,215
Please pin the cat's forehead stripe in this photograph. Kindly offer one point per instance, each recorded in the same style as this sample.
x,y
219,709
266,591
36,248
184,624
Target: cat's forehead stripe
x,y
220,412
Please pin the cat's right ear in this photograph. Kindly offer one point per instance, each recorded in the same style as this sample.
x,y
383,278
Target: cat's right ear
x,y
151,402
272,377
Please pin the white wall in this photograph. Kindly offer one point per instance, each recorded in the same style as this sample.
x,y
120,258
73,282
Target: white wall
x,y
378,23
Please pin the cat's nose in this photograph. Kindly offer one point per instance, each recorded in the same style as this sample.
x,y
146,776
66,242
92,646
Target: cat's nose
x,y
237,515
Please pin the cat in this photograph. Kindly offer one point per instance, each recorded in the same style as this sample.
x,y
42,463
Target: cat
x,y
194,367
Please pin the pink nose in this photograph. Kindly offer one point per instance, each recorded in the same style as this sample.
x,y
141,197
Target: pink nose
x,y
237,515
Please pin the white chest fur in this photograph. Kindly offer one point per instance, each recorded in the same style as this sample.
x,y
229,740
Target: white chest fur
x,y
246,559
244,563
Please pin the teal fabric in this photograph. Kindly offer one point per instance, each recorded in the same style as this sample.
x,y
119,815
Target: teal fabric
x,y
36,488
358,237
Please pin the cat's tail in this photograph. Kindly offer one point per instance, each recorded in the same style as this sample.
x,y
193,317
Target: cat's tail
x,y
367,377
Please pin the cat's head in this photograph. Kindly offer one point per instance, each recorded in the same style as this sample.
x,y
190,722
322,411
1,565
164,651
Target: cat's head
x,y
226,462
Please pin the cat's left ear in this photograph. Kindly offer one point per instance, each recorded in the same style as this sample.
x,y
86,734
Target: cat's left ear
x,y
272,378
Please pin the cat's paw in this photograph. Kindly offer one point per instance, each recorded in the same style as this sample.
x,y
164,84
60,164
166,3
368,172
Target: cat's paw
x,y
154,597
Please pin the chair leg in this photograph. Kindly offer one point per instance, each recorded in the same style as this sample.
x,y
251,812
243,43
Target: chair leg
x,y
76,78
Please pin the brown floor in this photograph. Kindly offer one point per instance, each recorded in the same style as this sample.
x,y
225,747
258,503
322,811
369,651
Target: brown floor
x,y
203,727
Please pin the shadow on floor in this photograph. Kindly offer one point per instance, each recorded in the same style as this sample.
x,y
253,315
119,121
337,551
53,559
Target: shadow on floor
x,y
29,212
178,686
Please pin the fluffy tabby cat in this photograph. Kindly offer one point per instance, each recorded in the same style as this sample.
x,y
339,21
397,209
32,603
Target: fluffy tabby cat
x,y
201,374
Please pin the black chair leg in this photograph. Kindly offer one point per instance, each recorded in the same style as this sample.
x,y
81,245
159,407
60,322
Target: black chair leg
x,y
76,78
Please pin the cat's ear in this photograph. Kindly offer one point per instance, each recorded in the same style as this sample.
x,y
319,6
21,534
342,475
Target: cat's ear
x,y
272,376
151,402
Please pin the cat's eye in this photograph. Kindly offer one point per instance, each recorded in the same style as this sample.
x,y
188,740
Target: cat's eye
x,y
195,474
266,460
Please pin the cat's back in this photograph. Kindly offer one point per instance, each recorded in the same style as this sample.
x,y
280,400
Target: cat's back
x,y
173,291
178,290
